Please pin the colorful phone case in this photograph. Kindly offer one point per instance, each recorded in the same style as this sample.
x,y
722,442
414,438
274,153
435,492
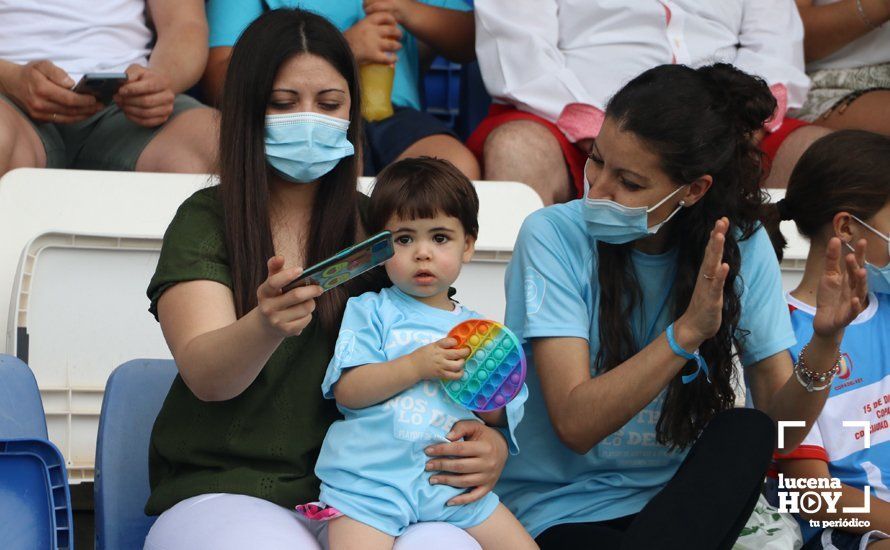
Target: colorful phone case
x,y
347,264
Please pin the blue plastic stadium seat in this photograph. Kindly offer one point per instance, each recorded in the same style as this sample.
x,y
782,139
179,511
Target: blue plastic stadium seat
x,y
21,411
441,90
35,504
133,397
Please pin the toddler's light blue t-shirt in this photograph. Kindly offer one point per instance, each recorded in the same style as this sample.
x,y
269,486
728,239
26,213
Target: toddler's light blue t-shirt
x,y
384,443
229,18
552,291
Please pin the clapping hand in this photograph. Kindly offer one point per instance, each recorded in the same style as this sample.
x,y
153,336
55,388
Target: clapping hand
x,y
842,290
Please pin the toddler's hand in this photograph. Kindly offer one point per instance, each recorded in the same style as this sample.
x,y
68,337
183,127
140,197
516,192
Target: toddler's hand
x,y
440,360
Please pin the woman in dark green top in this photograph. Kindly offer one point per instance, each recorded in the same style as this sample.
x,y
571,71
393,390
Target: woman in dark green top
x,y
233,449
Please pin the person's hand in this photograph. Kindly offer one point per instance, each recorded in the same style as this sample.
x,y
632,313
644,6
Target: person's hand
x,y
375,39
147,97
703,316
285,314
398,8
474,463
440,360
43,90
842,290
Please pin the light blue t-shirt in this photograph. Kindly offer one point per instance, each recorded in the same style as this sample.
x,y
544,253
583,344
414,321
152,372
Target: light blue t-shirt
x,y
552,291
229,18
384,443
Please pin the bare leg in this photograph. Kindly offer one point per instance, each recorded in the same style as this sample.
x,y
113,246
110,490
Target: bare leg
x,y
445,147
186,144
345,533
525,151
20,146
502,531
789,152
870,111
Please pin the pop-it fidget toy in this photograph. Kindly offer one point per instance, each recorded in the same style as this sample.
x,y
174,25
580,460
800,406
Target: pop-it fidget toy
x,y
494,370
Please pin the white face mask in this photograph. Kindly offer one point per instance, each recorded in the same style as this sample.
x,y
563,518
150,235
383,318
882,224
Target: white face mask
x,y
878,277
614,223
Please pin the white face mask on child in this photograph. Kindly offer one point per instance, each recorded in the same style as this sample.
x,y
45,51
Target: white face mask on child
x,y
878,277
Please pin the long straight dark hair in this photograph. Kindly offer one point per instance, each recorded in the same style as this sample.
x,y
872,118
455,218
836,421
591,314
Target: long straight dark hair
x,y
699,122
244,175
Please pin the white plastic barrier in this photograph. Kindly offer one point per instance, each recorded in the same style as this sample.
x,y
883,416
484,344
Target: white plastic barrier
x,y
77,253
78,250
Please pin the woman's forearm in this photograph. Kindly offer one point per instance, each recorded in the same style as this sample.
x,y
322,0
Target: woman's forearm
x,y
220,364
598,406
830,27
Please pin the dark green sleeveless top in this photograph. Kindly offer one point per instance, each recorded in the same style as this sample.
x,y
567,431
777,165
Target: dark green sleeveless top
x,y
262,443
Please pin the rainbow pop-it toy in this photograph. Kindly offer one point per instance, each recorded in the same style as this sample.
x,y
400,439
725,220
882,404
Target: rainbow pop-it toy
x,y
494,370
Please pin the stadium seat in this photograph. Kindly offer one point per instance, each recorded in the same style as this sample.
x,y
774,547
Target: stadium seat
x,y
133,397
21,411
35,503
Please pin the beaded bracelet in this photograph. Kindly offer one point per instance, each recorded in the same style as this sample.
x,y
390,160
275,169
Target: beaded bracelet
x,y
864,16
809,378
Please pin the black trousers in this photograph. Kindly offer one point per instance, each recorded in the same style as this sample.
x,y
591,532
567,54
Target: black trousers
x,y
703,507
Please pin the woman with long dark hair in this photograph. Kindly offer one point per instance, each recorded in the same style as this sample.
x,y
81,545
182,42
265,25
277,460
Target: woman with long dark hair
x,y
633,304
234,447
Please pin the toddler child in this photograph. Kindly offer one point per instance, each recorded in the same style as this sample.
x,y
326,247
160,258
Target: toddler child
x,y
390,356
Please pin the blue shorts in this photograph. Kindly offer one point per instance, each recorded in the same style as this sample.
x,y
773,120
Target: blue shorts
x,y
392,509
386,139
835,539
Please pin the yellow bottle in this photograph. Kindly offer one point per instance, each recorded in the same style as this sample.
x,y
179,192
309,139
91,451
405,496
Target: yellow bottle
x,y
376,83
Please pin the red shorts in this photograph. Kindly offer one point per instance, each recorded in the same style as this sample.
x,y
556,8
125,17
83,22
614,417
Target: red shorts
x,y
500,114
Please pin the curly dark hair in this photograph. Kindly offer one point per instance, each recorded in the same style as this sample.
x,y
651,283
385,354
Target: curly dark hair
x,y
698,122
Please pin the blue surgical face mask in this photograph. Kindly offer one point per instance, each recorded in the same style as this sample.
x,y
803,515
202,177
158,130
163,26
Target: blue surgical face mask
x,y
614,223
878,277
303,147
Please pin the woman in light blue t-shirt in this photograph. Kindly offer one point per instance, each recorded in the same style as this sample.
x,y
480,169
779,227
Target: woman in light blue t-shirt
x,y
632,304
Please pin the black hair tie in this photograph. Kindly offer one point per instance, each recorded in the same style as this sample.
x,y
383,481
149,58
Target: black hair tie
x,y
784,210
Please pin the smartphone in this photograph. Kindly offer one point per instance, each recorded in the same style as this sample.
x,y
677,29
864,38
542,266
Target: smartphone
x,y
346,264
101,85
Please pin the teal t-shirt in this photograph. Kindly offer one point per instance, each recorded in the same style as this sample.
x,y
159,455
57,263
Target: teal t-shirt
x,y
229,18
552,292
